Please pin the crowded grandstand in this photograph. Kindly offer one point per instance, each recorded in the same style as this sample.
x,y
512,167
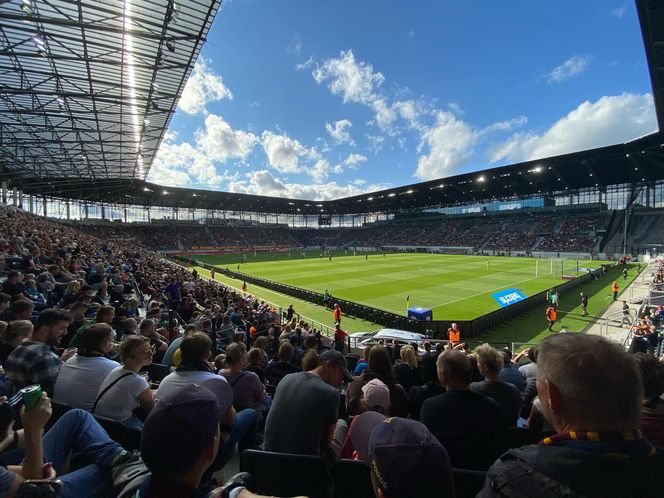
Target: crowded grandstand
x,y
144,354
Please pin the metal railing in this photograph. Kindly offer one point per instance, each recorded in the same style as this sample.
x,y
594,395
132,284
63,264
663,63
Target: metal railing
x,y
610,320
324,329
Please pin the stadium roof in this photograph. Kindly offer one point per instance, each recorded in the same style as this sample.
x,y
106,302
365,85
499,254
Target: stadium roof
x,y
88,87
97,119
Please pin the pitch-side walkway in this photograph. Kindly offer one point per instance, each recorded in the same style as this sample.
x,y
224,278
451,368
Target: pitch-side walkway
x,y
610,324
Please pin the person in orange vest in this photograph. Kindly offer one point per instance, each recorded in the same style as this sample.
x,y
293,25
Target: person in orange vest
x,y
244,287
615,289
336,314
454,335
551,316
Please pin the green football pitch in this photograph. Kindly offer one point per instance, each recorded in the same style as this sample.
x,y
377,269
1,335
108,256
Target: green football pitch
x,y
453,286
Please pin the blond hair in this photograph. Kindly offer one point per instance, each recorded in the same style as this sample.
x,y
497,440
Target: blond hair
x,y
408,356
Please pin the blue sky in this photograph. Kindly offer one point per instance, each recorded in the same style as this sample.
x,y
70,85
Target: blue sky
x,y
322,100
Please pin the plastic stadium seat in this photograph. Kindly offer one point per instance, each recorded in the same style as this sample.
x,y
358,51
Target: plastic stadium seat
x,y
285,474
127,437
157,372
467,483
352,360
351,479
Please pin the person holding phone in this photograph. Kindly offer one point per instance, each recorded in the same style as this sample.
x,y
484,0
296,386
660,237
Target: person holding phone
x,y
42,457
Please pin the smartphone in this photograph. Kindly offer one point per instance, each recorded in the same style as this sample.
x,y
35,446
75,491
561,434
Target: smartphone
x,y
42,488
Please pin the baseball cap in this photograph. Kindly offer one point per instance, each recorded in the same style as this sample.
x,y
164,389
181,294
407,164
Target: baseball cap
x,y
376,395
401,452
338,360
182,424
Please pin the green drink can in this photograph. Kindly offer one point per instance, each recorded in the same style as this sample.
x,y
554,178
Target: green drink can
x,y
31,396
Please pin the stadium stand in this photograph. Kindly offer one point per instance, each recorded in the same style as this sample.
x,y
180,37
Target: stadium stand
x,y
61,277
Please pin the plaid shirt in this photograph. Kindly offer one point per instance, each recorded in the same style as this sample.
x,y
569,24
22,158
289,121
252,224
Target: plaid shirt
x,y
33,363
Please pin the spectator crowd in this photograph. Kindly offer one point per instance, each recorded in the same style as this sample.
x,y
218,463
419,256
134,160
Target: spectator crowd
x,y
112,332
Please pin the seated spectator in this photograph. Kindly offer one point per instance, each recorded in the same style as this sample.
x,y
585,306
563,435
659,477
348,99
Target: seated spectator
x,y
529,368
248,390
13,285
105,314
255,364
303,418
175,345
490,363
281,366
13,335
310,360
33,293
591,393
471,427
123,390
21,309
225,332
76,431
652,377
380,367
432,387
404,458
195,353
175,460
262,343
148,329
37,361
407,372
510,372
363,362
80,377
5,299
375,398
78,320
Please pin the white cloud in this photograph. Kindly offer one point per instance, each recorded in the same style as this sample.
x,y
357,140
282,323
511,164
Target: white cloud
x,y
339,131
306,64
619,12
286,154
449,143
203,86
357,82
183,164
507,125
264,183
353,160
220,142
456,108
610,120
354,81
411,111
573,66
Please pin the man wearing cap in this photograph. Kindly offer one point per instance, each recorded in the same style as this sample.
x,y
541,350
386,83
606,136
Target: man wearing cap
x,y
179,445
404,458
590,391
194,368
303,417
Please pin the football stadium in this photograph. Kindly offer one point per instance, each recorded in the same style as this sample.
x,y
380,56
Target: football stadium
x,y
173,327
